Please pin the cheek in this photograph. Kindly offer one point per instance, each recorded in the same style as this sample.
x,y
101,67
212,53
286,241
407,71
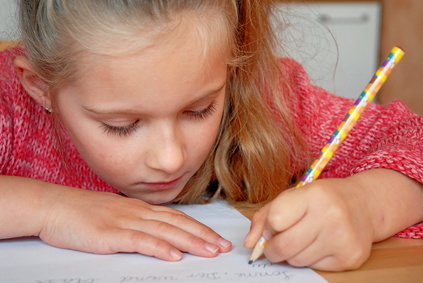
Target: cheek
x,y
113,162
104,155
99,152
205,138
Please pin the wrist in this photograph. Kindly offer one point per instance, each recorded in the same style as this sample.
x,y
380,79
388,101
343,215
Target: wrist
x,y
25,204
393,200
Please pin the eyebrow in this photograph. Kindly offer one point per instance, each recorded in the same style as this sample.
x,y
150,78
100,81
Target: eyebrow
x,y
208,94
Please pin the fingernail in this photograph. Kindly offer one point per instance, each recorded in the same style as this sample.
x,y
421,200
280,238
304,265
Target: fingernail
x,y
267,235
224,243
211,248
176,254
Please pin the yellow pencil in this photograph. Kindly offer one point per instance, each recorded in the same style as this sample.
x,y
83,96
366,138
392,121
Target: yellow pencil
x,y
343,129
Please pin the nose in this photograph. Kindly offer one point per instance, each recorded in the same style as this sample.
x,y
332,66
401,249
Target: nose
x,y
167,150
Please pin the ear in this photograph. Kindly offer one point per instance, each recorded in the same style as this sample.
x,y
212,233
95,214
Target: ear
x,y
32,83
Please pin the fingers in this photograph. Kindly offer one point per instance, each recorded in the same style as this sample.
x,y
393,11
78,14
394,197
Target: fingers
x,y
277,216
290,243
177,228
256,228
323,254
155,237
194,238
286,210
183,232
314,226
295,230
132,241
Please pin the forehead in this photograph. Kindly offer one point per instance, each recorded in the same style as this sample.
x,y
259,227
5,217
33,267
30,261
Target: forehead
x,y
209,29
203,39
173,72
206,39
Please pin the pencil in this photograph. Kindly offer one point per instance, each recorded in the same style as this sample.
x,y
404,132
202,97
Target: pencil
x,y
343,129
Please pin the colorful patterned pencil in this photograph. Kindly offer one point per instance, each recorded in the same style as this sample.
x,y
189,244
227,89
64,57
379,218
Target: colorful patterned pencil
x,y
352,116
343,129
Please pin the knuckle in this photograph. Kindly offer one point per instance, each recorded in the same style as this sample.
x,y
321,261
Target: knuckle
x,y
149,246
257,217
261,213
337,218
163,227
159,248
208,235
194,242
274,220
353,258
182,219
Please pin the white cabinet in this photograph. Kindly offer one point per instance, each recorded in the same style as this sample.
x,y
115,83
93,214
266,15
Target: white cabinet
x,y
336,42
8,20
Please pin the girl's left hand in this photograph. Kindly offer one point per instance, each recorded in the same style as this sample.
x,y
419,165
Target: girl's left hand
x,y
321,225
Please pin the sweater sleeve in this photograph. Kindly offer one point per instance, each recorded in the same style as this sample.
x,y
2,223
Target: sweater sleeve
x,y
384,137
6,120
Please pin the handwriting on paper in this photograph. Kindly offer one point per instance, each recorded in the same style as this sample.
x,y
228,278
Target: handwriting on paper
x,y
258,271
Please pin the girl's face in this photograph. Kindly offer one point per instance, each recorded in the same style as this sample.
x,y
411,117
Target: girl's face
x,y
146,122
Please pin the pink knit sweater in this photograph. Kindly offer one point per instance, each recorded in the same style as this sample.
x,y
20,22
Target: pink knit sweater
x,y
388,137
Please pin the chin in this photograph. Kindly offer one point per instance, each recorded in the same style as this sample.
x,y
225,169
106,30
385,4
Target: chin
x,y
159,198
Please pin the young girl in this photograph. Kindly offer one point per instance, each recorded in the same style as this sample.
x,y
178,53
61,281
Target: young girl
x,y
113,108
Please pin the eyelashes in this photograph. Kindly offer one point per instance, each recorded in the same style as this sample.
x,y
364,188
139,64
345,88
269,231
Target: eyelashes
x,y
202,114
120,131
129,129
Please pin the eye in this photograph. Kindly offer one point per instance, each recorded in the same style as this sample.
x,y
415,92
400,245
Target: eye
x,y
120,131
202,114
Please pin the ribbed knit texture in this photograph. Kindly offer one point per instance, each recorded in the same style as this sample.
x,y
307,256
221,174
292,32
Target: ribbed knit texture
x,y
385,137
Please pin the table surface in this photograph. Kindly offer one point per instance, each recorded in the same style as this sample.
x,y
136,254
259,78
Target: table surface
x,y
392,260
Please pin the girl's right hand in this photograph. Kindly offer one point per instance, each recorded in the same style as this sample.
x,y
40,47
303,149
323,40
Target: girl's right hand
x,y
105,223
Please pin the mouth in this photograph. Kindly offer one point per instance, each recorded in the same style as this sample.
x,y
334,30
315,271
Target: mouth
x,y
162,186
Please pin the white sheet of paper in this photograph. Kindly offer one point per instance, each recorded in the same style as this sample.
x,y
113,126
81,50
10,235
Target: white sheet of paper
x,y
31,260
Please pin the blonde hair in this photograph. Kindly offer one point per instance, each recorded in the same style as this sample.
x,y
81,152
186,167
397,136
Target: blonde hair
x,y
256,154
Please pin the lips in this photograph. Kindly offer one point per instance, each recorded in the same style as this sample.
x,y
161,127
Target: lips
x,y
162,186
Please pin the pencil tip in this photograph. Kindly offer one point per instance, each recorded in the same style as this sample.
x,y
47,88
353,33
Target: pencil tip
x,y
250,261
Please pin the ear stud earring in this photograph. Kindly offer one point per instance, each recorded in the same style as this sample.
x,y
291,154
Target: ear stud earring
x,y
48,110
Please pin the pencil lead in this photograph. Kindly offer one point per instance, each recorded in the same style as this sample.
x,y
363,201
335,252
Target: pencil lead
x,y
250,261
